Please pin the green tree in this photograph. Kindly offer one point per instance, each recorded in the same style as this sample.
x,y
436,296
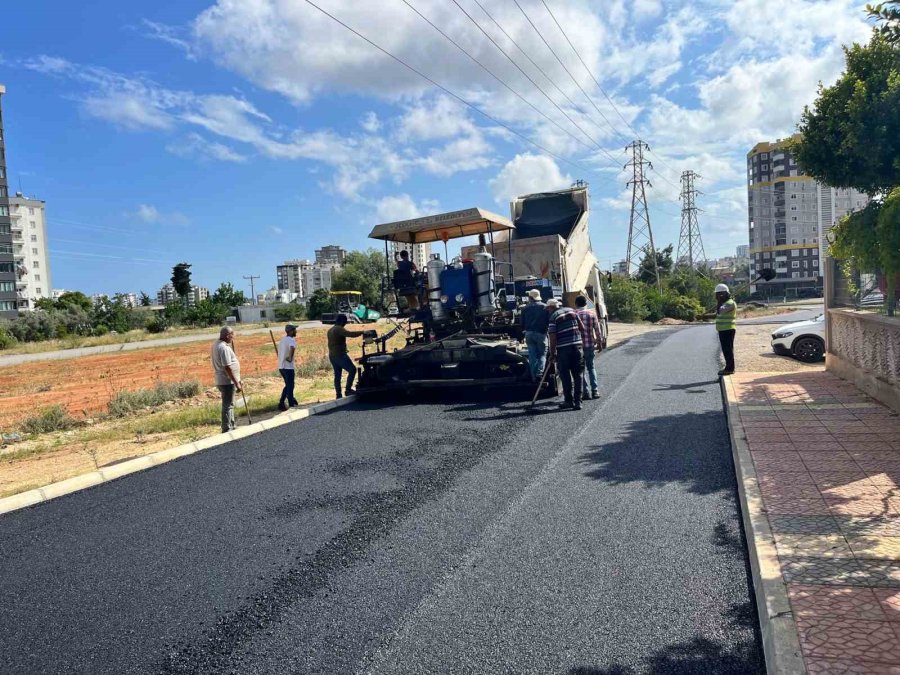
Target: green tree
x,y
664,263
888,15
362,271
181,279
625,300
226,295
319,304
145,300
74,299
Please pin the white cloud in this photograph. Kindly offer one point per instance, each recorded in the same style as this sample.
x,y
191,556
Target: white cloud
x,y
527,173
194,145
151,215
441,117
402,207
276,230
370,122
171,35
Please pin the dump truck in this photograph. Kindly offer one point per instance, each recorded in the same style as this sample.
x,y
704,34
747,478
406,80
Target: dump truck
x,y
467,331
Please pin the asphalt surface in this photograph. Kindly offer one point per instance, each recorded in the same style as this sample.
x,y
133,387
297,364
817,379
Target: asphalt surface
x,y
426,537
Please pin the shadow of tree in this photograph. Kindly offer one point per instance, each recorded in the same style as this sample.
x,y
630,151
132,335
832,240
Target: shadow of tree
x,y
687,449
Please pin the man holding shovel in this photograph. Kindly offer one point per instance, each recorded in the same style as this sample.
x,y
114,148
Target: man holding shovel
x,y
227,371
286,349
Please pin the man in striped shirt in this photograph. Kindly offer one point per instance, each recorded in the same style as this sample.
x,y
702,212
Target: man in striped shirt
x,y
565,343
591,341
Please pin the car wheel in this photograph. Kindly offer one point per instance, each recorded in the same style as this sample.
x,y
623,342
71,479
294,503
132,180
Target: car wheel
x,y
809,349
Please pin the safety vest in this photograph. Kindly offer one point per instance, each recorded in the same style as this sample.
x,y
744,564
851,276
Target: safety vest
x,y
726,316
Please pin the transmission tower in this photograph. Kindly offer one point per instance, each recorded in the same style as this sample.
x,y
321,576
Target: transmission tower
x,y
690,246
640,236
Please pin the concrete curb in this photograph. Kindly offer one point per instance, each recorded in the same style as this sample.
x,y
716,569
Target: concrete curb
x,y
70,485
781,642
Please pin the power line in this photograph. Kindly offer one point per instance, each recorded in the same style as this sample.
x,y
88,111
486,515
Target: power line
x,y
541,70
500,80
454,95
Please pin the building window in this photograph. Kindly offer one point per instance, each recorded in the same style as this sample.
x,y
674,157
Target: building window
x,y
815,263
35,264
793,218
34,237
7,305
7,286
795,275
38,290
765,155
4,210
4,229
37,277
30,210
795,253
765,167
34,251
32,224
795,264
2,172
6,248
7,267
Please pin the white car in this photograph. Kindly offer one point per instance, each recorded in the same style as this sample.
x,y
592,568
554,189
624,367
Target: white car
x,y
804,340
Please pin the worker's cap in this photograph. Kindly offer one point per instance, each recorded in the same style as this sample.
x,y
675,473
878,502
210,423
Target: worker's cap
x,y
290,327
721,288
553,302
534,294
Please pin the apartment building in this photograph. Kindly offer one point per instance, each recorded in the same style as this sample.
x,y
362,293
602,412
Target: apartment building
x,y
303,277
789,215
167,294
289,275
418,253
330,256
8,275
30,251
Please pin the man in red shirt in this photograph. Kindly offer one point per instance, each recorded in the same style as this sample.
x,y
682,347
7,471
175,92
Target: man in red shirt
x,y
591,339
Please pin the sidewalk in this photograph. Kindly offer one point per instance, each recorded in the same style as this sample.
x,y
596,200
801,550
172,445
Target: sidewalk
x,y
823,484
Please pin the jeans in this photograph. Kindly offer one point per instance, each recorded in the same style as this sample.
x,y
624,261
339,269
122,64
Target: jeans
x,y
570,361
340,363
537,353
726,339
228,391
287,394
590,373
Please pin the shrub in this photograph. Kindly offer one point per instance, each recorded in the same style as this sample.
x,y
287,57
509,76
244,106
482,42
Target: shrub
x,y
655,302
54,418
682,307
313,365
158,324
625,300
7,340
129,401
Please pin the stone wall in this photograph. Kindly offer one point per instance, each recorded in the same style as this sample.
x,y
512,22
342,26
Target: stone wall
x,y
865,349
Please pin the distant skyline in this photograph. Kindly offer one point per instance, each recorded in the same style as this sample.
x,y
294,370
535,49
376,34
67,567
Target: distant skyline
x,y
236,135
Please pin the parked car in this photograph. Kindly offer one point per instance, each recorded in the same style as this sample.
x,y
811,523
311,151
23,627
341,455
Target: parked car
x,y
804,340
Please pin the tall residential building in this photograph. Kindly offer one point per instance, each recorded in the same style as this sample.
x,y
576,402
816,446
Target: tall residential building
x,y
742,251
418,253
167,294
8,274
789,214
29,233
330,255
289,275
315,277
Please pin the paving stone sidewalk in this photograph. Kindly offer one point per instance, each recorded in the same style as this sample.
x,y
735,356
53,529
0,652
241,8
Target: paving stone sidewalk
x,y
827,462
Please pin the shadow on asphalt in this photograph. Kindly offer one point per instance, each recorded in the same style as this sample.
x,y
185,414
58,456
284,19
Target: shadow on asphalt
x,y
667,449
689,388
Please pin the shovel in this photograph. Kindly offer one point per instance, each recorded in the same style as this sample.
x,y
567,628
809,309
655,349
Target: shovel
x,y
541,383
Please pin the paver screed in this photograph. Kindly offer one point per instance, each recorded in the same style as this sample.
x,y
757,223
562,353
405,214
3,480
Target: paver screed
x,y
827,459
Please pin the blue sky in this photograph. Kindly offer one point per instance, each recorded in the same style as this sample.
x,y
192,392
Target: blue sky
x,y
235,134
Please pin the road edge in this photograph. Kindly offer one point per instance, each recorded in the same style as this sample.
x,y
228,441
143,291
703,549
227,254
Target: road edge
x,y
76,483
781,641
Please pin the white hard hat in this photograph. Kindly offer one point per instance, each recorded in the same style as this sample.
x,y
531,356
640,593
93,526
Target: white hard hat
x,y
553,302
535,294
721,288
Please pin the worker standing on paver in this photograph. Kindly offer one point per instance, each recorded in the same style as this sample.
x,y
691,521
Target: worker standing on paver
x,y
565,346
287,348
337,354
227,372
535,321
726,326
591,340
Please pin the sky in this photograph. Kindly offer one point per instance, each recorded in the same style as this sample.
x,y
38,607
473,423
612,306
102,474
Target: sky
x,y
236,134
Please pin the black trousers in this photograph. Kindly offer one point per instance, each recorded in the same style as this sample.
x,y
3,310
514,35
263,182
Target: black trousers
x,y
287,394
726,339
570,361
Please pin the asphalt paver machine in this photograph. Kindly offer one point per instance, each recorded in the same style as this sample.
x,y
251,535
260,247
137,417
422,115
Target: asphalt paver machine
x,y
467,331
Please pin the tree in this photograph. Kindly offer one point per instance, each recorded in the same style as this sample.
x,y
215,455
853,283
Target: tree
x,y
362,271
664,263
226,295
889,17
319,304
181,279
851,136
145,300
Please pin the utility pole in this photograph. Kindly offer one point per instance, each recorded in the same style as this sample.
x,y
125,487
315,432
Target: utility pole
x,y
252,289
690,246
640,235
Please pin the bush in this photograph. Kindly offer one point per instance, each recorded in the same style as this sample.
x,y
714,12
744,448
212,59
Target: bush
x,y
54,418
682,307
313,365
656,303
290,312
625,300
7,340
157,324
129,401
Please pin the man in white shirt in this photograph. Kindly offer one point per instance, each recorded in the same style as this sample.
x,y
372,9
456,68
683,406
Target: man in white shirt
x,y
227,371
287,347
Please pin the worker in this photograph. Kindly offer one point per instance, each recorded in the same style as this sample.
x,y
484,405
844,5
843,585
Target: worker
x,y
565,331
407,269
287,348
337,354
227,372
591,342
534,323
726,326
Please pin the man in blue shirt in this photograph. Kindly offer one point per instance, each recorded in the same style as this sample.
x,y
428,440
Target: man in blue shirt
x,y
535,321
565,342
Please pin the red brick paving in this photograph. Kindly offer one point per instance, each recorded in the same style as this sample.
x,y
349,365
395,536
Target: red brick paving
x,y
828,463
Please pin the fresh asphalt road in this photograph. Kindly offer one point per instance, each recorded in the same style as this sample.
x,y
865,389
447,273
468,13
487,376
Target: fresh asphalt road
x,y
434,537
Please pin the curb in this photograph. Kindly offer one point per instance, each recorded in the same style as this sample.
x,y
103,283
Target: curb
x,y
781,642
84,481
